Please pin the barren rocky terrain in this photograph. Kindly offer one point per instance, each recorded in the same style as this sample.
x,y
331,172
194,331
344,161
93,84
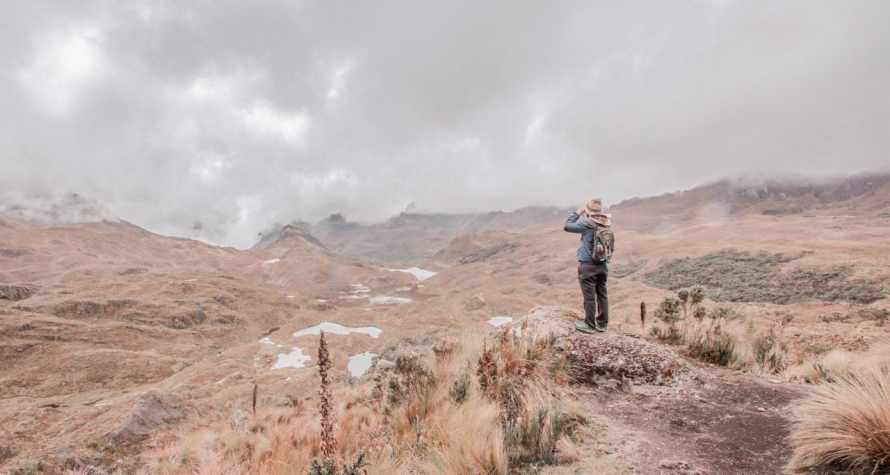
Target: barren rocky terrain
x,y
113,339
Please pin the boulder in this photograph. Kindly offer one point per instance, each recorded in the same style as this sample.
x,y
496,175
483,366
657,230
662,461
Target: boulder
x,y
15,292
153,410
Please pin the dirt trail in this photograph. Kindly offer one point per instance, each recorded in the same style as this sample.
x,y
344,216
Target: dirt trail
x,y
719,422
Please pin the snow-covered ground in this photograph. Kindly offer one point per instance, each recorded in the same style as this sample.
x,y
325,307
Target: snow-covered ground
x,y
360,363
337,329
500,320
387,300
418,273
294,359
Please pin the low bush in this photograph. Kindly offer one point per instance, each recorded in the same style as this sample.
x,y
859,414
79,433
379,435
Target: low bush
x,y
719,349
740,276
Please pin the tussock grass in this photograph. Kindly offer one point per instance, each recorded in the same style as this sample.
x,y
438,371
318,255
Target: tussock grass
x,y
846,424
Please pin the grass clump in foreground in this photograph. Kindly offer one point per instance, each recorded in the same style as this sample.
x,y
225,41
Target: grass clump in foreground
x,y
739,276
470,406
845,425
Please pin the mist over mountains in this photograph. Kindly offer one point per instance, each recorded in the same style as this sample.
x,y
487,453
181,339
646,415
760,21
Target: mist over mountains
x,y
213,121
413,235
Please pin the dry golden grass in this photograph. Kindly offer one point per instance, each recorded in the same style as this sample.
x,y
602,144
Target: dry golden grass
x,y
835,363
839,363
845,424
407,421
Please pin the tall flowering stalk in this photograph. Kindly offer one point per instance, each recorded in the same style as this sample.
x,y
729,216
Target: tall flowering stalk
x,y
328,442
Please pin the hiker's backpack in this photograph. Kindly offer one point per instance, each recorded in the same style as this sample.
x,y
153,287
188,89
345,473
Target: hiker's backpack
x,y
603,245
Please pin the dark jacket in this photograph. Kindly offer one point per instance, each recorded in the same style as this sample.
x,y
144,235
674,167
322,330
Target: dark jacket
x,y
587,229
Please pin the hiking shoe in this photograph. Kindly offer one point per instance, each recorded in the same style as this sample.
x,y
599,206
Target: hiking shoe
x,y
584,327
599,328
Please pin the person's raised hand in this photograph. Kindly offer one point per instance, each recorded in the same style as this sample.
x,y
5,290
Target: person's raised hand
x,y
581,211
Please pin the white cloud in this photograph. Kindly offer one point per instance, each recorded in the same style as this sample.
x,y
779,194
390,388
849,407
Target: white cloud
x,y
337,78
262,118
213,120
62,67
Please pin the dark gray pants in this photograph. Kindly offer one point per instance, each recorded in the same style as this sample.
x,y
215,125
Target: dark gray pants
x,y
593,285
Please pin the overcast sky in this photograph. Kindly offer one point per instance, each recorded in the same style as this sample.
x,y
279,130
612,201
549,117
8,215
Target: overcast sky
x,y
213,119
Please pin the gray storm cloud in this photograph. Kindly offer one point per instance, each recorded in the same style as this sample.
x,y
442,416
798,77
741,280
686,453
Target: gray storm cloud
x,y
214,119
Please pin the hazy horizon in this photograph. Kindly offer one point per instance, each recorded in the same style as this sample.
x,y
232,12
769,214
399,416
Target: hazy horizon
x,y
215,120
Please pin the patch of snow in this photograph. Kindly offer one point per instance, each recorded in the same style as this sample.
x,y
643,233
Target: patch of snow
x,y
190,280
294,359
290,296
266,340
360,363
418,273
337,329
406,288
500,320
272,261
356,291
323,300
387,300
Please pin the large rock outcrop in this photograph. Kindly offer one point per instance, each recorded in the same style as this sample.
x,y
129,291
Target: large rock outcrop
x,y
608,357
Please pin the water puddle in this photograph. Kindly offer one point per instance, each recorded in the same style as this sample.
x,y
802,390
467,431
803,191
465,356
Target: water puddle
x,y
500,320
387,300
418,273
272,261
360,363
294,359
337,329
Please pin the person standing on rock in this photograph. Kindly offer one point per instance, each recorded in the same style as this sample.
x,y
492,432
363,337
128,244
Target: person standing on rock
x,y
594,254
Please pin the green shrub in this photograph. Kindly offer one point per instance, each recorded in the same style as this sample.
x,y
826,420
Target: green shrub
x,y
668,311
720,350
533,440
460,390
739,276
329,467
